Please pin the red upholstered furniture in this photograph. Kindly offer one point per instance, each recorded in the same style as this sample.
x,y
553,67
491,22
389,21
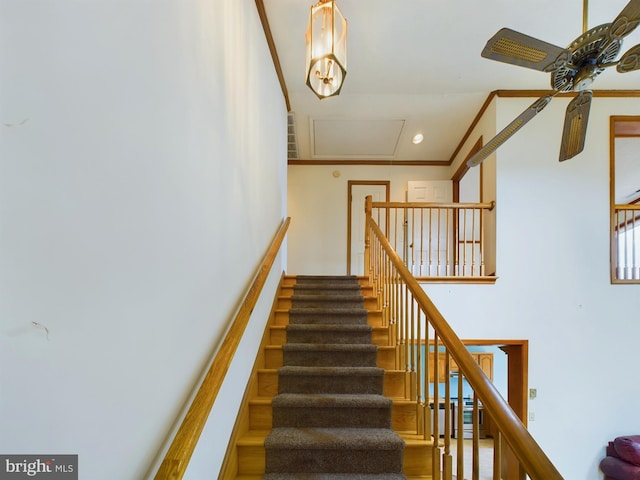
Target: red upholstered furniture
x,y
623,459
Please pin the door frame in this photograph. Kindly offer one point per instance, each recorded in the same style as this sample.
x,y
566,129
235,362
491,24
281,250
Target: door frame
x,y
517,352
350,185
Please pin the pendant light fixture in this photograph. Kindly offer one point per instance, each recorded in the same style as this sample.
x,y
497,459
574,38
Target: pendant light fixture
x,y
326,41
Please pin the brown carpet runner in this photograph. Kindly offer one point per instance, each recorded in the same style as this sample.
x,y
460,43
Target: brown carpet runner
x,y
330,419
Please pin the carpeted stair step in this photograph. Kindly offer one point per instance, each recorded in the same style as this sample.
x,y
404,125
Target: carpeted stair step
x,y
327,300
353,380
333,450
333,476
327,279
317,333
328,315
314,288
335,411
329,355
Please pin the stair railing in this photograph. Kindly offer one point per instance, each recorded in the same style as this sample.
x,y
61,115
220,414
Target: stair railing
x,y
625,244
440,241
177,458
426,349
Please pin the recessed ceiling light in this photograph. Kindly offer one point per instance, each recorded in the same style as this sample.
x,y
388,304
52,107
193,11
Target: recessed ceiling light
x,y
418,138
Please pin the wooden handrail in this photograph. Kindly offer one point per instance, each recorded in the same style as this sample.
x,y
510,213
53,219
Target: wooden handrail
x,y
177,457
627,206
489,206
527,451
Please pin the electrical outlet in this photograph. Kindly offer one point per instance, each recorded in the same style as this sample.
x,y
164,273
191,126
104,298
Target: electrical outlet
x,y
532,417
533,393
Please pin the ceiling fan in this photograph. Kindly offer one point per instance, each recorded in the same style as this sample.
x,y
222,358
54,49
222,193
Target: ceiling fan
x,y
572,69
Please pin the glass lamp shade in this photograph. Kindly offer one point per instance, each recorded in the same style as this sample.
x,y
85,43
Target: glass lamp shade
x,y
326,41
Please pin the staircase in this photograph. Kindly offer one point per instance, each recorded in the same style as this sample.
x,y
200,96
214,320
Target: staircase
x,y
329,404
330,415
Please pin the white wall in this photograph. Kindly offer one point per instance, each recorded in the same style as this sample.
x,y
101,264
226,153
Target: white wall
x,y
318,209
554,289
140,184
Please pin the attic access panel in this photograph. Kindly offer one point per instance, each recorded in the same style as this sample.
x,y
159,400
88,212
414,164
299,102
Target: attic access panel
x,y
339,139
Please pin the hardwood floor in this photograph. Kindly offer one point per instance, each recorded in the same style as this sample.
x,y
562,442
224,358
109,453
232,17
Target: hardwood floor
x,y
486,459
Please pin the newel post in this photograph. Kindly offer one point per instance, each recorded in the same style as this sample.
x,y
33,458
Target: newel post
x,y
368,207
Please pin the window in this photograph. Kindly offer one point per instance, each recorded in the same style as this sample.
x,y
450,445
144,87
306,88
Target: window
x,y
625,200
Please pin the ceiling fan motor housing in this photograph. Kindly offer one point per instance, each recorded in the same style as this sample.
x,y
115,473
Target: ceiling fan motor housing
x,y
587,60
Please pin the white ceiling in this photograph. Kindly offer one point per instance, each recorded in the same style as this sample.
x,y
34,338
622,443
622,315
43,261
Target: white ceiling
x,y
415,66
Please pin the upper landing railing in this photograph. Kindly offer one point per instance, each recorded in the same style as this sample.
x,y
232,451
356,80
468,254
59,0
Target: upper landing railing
x,y
437,241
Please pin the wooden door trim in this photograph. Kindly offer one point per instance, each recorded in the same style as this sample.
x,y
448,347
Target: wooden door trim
x,y
350,185
517,352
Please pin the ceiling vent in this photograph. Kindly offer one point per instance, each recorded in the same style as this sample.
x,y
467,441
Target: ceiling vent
x,y
292,143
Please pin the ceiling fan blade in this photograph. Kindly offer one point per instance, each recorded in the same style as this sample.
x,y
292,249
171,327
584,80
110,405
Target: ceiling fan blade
x,y
575,126
630,61
513,47
507,132
626,21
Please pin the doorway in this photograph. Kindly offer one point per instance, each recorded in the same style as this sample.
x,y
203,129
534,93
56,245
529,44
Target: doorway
x,y
517,395
357,191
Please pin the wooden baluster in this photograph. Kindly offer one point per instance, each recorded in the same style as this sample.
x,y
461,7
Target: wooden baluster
x,y
475,429
435,408
430,233
634,253
626,273
482,266
473,242
413,269
367,233
456,240
398,316
436,389
465,242
412,343
447,460
420,383
447,243
460,428
497,456
402,287
428,374
438,271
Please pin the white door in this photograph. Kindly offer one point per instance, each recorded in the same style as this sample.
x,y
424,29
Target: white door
x,y
430,191
430,232
358,194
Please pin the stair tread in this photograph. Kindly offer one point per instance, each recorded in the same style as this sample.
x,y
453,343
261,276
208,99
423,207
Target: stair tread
x,y
334,476
322,438
334,371
348,347
324,327
328,310
335,278
343,286
330,294
336,400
